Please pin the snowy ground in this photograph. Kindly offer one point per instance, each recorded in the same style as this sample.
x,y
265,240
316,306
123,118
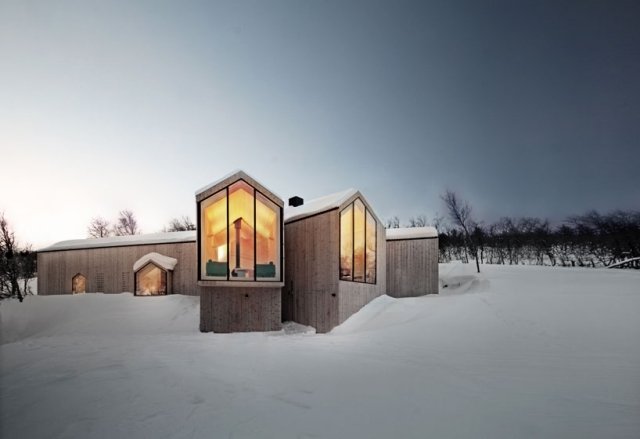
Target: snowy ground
x,y
518,352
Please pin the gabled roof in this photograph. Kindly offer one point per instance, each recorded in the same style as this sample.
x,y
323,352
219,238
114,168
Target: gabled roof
x,y
123,241
318,205
411,233
232,177
161,261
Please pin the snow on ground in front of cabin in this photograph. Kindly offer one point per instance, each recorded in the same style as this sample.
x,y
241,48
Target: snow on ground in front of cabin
x,y
516,352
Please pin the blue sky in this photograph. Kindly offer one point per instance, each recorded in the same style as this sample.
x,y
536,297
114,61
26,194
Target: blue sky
x,y
524,108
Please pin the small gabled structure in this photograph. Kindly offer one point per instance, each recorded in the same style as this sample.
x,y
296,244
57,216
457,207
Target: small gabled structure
x,y
240,255
335,252
153,274
412,261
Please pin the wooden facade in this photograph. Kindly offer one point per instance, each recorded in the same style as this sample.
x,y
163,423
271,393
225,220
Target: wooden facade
x,y
310,291
110,269
412,267
233,305
313,294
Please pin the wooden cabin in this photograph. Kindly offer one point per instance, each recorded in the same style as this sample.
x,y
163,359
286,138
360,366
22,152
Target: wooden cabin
x,y
412,261
338,255
240,264
336,259
147,265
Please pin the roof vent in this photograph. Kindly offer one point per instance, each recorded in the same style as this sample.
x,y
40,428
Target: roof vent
x,y
296,201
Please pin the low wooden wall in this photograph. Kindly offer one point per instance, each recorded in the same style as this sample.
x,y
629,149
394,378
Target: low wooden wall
x,y
110,269
240,309
412,267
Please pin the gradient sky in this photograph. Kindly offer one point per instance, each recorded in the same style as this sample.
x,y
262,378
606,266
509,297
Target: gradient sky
x,y
523,107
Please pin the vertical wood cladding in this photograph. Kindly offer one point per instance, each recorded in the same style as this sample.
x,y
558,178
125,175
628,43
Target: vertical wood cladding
x,y
57,268
310,290
412,267
240,309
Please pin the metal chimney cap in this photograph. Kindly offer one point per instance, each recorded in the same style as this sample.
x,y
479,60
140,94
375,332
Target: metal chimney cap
x,y
296,201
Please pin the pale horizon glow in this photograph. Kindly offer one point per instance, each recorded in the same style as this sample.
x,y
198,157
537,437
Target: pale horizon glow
x,y
524,109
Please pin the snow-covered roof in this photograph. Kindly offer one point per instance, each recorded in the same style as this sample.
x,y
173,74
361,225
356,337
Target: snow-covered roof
x,y
318,205
411,233
238,172
122,241
218,181
161,261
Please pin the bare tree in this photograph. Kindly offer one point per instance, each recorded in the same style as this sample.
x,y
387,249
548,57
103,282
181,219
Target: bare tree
x,y
419,221
180,225
99,228
126,224
460,216
392,223
17,265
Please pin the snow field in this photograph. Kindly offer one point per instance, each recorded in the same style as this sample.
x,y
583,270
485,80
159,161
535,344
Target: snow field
x,y
515,352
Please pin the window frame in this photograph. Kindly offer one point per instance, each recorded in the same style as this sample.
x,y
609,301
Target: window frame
x,y
162,272
353,216
229,278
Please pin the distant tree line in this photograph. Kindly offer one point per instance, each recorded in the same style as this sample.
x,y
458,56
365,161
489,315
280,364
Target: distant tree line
x,y
592,239
127,224
17,264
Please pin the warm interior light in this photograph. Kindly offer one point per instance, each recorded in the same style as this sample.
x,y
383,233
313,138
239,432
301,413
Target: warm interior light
x,y
240,243
222,253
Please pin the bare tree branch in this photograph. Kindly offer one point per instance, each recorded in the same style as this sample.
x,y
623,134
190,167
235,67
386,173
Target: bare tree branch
x,y
126,224
180,225
460,215
99,228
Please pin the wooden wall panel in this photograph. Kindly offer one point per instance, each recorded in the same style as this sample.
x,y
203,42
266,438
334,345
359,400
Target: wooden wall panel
x,y
412,267
309,296
56,269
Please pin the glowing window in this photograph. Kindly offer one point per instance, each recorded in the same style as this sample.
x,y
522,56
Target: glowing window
x,y
346,243
78,284
370,256
151,280
240,235
214,236
358,240
267,239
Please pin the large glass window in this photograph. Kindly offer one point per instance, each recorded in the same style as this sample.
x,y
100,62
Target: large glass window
x,y
78,284
267,239
151,280
370,256
358,241
214,236
346,243
240,235
358,236
241,231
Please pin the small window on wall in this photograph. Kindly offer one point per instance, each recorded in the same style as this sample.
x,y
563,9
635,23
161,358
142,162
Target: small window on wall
x,y
358,236
78,284
240,235
151,280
